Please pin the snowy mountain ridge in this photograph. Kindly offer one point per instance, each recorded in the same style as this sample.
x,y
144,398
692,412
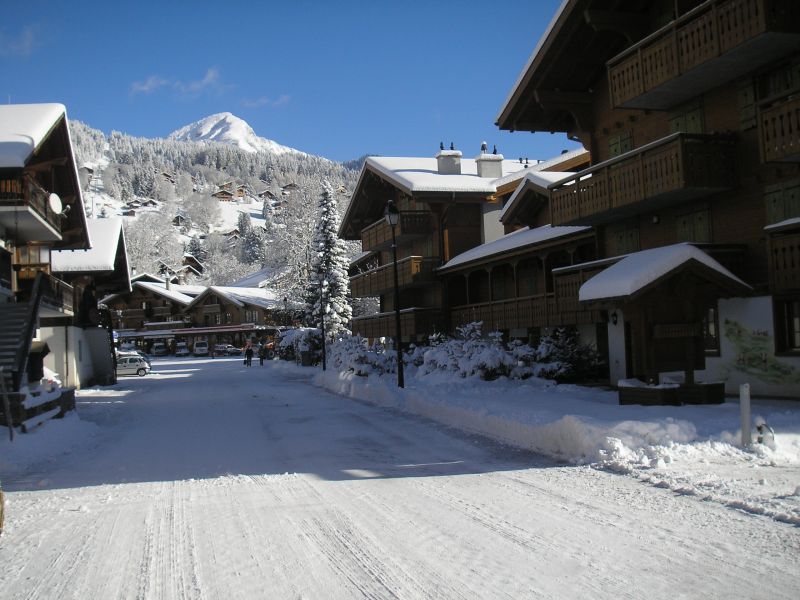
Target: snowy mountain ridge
x,y
227,128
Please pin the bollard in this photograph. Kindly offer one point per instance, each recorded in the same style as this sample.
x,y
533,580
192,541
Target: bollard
x,y
744,406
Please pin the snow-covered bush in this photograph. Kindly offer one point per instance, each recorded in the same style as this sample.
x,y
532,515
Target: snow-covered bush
x,y
564,358
469,354
301,339
351,353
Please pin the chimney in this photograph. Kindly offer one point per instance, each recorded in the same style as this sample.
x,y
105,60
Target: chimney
x,y
449,161
490,165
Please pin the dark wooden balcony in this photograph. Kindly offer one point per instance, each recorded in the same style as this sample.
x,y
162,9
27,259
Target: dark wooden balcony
x,y
25,211
415,323
715,43
675,169
413,223
411,271
784,263
57,296
570,311
779,130
513,313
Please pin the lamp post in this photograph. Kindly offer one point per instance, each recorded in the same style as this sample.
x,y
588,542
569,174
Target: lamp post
x,y
286,311
392,218
322,317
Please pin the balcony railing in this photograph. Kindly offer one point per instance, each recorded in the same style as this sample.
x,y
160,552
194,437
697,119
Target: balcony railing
x,y
25,192
779,130
378,236
413,270
784,272
716,42
55,293
513,313
570,312
676,168
414,324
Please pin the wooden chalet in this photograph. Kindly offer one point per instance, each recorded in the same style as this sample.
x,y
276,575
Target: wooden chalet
x,y
223,195
448,205
147,302
690,111
41,210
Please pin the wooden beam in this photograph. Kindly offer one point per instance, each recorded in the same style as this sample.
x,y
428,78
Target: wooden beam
x,y
562,100
631,25
45,165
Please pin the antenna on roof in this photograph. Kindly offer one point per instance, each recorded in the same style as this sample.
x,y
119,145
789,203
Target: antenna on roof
x,y
452,147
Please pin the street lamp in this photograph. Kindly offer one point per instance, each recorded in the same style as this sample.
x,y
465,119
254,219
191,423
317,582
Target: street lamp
x,y
392,218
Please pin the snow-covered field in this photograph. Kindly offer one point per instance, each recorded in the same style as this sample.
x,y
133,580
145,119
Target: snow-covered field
x,y
211,480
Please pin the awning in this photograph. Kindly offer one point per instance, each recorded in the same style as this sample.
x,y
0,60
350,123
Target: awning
x,y
641,271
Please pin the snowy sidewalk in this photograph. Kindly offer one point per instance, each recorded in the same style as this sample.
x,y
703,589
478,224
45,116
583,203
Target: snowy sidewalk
x,y
692,450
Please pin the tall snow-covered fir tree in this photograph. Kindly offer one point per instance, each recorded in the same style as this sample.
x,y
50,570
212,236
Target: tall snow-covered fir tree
x,y
327,288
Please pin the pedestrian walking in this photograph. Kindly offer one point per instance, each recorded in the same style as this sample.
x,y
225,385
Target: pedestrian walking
x,y
248,356
262,354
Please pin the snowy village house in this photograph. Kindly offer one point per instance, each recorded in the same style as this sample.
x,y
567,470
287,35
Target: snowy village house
x,y
41,209
448,205
690,111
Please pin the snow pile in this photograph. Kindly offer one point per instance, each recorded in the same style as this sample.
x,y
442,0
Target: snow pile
x,y
691,450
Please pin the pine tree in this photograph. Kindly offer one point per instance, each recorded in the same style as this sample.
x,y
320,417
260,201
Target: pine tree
x,y
327,287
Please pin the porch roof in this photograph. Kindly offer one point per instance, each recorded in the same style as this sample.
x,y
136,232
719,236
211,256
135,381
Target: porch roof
x,y
639,271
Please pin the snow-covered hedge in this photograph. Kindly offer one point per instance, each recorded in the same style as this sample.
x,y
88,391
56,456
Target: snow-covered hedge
x,y
301,339
559,356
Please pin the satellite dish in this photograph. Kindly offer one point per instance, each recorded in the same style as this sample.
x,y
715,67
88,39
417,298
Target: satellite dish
x,y
54,202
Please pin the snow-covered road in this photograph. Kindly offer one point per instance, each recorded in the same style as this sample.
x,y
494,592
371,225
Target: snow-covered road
x,y
210,480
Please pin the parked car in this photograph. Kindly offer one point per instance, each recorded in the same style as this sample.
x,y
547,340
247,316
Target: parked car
x,y
132,365
201,348
181,349
233,350
135,353
159,349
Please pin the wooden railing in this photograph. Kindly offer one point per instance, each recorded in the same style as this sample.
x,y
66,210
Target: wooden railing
x,y
513,313
681,165
57,294
779,130
413,270
567,286
414,322
784,263
696,38
412,223
26,192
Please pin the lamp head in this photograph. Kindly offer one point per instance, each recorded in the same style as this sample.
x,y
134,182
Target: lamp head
x,y
392,214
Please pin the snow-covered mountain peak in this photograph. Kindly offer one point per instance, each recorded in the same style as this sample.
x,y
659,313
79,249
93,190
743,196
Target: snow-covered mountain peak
x,y
227,128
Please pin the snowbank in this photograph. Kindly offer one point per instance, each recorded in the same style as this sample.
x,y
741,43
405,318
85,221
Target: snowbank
x,y
692,450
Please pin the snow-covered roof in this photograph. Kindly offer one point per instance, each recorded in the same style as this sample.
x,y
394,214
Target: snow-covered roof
x,y
421,174
513,241
240,296
22,128
638,270
260,278
189,290
786,224
161,290
106,235
148,276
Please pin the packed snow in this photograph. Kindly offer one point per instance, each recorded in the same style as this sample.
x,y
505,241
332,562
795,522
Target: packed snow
x,y
208,479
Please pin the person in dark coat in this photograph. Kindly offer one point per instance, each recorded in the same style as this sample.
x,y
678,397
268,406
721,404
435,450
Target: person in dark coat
x,y
262,354
248,356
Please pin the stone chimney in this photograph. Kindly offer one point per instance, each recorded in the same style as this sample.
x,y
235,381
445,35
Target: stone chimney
x,y
489,165
449,161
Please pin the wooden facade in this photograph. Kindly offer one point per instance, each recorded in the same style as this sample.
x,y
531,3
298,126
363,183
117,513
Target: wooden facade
x,y
691,115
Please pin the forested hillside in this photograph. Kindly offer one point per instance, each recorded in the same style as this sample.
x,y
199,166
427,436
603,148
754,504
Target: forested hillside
x,y
275,215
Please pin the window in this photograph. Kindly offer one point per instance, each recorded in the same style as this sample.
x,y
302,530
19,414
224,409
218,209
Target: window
x,y
218,319
694,226
228,318
620,144
787,325
747,104
688,118
711,331
783,201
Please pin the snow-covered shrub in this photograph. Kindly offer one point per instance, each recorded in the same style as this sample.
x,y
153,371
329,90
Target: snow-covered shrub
x,y
301,339
351,353
469,354
564,358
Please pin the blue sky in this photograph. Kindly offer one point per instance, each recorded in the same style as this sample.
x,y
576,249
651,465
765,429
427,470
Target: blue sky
x,y
338,79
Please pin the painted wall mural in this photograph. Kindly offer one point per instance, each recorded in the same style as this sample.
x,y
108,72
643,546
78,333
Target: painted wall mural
x,y
754,356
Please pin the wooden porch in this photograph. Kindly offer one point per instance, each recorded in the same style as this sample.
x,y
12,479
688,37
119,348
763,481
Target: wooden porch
x,y
716,42
415,324
674,169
